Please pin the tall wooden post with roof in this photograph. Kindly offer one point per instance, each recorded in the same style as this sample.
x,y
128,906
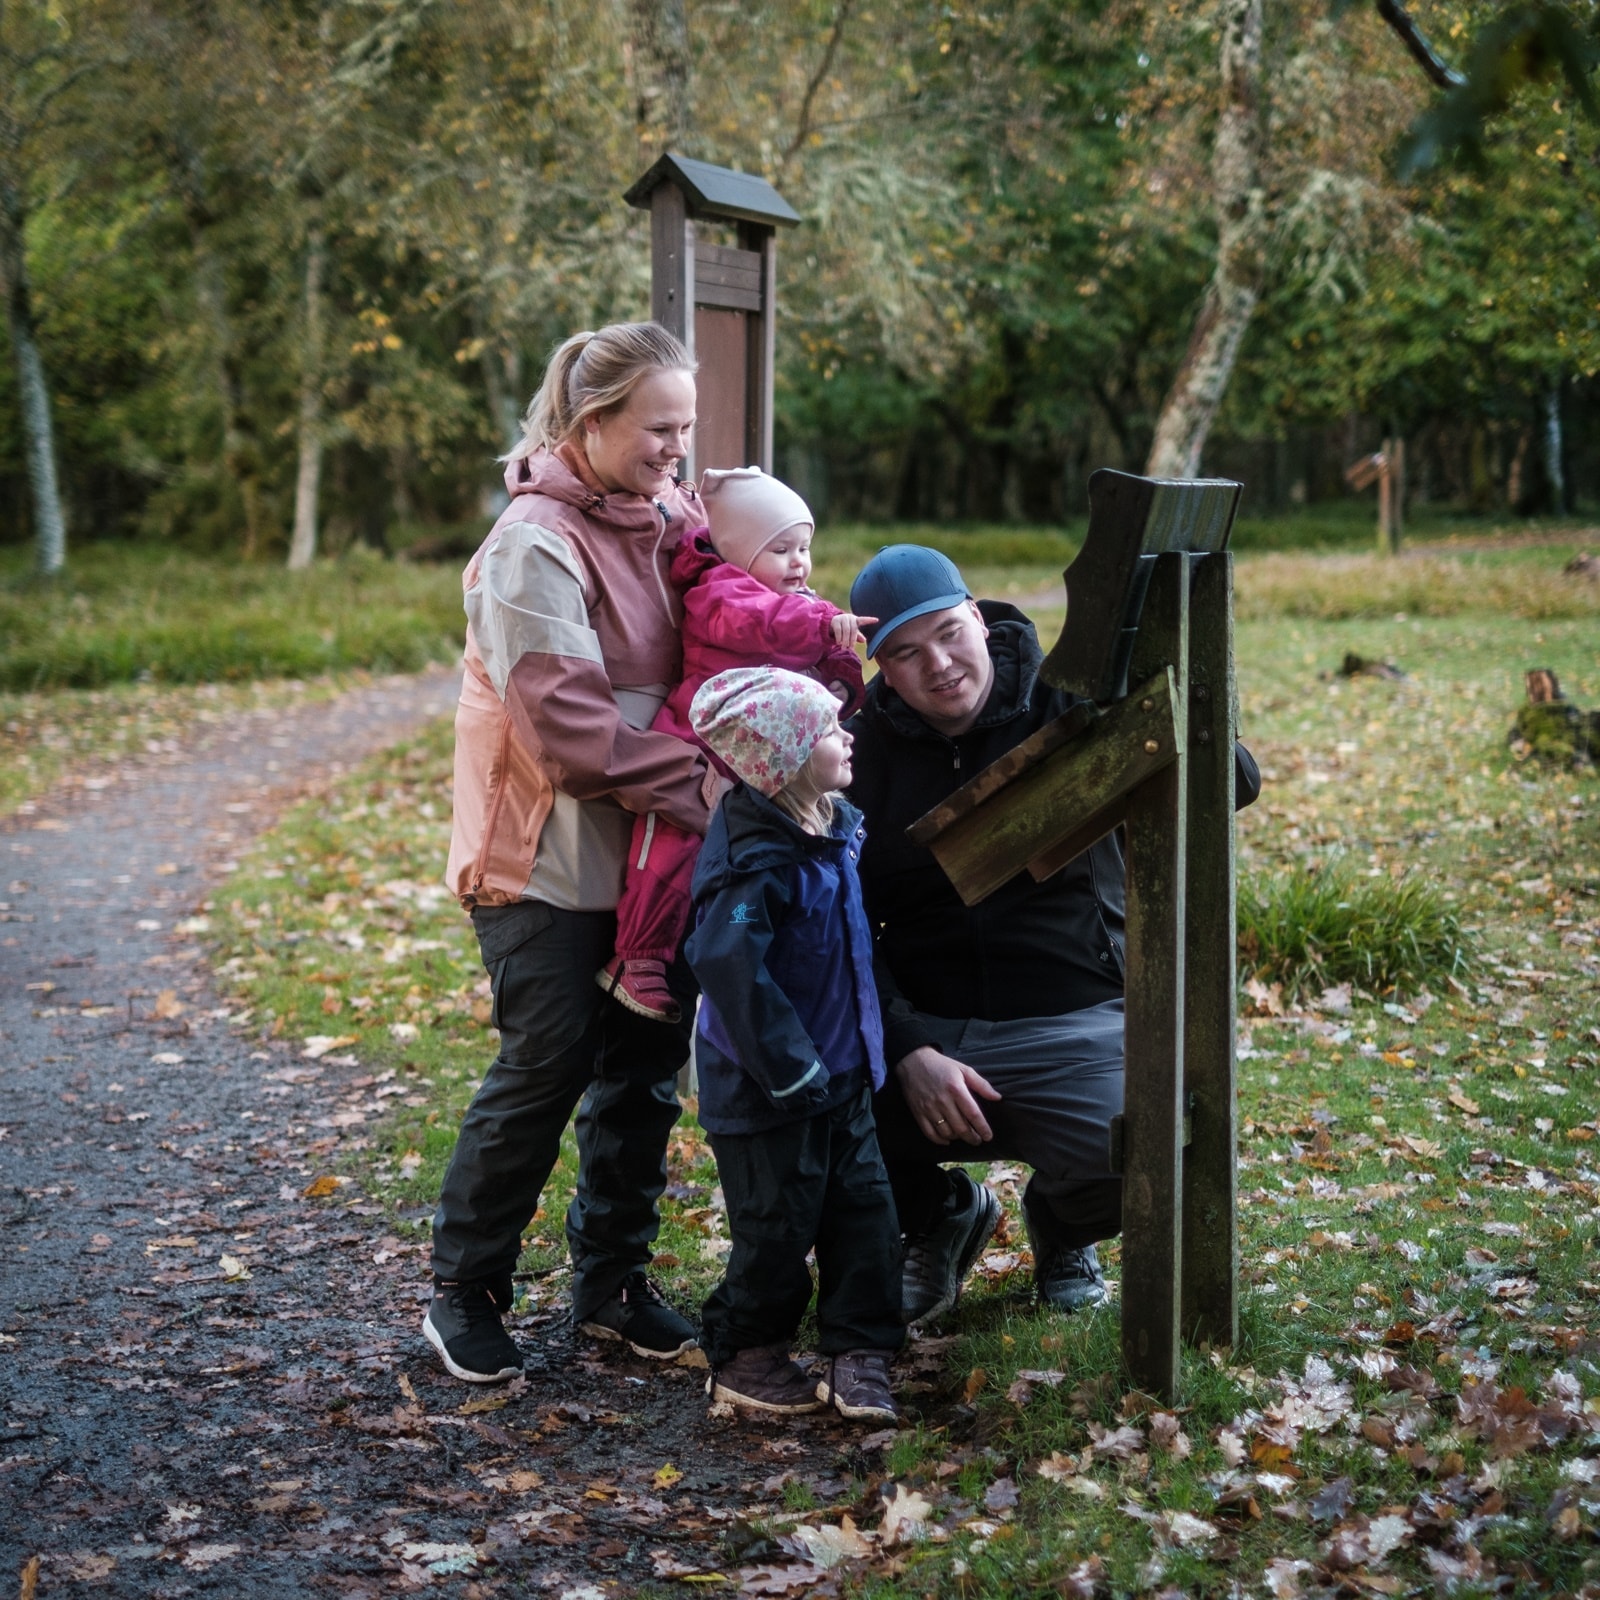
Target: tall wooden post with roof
x,y
1148,646
720,299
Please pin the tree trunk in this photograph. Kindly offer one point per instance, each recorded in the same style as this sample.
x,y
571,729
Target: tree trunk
x,y
303,546
659,48
33,392
1553,468
239,464
1230,299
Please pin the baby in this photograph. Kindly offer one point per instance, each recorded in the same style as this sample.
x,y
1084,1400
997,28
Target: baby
x,y
746,603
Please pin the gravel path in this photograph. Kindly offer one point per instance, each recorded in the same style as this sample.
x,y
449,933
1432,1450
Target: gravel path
x,y
211,1382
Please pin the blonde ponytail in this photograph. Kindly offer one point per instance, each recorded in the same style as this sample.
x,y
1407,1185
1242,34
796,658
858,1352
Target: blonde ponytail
x,y
593,373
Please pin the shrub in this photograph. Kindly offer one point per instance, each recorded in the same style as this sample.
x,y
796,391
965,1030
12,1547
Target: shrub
x,y
1326,924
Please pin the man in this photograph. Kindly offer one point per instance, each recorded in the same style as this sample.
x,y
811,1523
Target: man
x,y
1002,1021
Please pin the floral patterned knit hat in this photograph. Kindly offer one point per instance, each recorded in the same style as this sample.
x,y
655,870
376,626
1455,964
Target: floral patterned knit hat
x,y
764,722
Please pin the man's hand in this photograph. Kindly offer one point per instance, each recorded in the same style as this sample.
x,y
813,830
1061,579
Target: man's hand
x,y
849,631
940,1091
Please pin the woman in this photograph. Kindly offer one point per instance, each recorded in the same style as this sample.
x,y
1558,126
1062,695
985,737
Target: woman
x,y
572,645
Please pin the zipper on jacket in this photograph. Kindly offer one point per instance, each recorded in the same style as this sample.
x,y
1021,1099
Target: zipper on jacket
x,y
655,560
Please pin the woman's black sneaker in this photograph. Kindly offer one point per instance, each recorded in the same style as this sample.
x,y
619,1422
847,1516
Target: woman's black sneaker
x,y
638,1316
463,1324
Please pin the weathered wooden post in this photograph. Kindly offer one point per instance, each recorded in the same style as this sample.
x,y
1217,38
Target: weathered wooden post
x,y
1149,604
720,300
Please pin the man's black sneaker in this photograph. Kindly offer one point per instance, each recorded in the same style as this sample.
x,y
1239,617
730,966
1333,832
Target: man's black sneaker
x,y
638,1316
463,1324
1068,1280
937,1261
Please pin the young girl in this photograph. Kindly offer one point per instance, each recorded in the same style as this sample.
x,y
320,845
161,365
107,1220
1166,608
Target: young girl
x,y
745,603
790,1048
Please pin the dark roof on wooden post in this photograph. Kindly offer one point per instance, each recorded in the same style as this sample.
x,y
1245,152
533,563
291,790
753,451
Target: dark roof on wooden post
x,y
715,192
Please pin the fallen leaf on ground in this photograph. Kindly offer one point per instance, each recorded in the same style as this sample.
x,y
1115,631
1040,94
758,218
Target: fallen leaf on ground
x,y
208,1555
1001,1495
1188,1530
667,1565
1021,1390
1167,1434
779,1580
1118,1444
825,1545
1282,1577
904,1513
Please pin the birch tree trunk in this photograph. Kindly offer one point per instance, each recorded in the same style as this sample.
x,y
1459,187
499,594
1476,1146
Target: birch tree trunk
x,y
1554,465
1230,300
33,393
303,545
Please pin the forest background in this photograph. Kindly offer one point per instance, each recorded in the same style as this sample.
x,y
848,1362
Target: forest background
x,y
289,272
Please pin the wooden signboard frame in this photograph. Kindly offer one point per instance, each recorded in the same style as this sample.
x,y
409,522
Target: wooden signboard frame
x,y
1150,603
721,300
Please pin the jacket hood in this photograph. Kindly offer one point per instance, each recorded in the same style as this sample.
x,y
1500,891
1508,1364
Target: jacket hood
x,y
1014,650
561,475
694,558
761,835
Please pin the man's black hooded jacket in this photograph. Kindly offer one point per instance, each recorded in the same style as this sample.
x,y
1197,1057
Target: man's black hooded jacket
x,y
1029,950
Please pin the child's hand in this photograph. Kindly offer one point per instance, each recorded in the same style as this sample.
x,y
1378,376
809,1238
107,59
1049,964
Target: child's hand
x,y
850,631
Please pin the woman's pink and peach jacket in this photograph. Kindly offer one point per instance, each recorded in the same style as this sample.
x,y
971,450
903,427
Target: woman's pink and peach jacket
x,y
572,646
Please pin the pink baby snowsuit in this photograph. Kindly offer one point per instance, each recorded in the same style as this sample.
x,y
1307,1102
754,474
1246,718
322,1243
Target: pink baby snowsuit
x,y
729,620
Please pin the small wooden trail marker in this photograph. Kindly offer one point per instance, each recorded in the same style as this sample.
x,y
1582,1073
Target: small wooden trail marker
x,y
1387,469
721,300
1149,603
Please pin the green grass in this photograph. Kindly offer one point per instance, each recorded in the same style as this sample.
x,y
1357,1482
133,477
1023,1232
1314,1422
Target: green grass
x,y
1417,1181
126,613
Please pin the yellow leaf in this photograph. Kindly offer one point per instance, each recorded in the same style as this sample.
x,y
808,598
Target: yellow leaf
x,y
975,1381
233,1269
321,1188
667,1476
168,1004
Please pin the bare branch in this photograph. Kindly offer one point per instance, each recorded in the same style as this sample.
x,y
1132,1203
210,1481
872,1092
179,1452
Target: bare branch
x,y
802,130
1432,64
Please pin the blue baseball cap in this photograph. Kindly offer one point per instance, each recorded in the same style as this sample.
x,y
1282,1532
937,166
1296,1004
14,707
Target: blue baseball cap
x,y
901,582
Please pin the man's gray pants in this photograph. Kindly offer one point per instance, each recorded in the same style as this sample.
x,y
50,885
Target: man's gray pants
x,y
1060,1082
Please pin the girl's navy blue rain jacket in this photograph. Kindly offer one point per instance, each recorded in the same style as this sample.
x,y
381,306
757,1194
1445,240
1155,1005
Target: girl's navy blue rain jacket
x,y
789,1022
